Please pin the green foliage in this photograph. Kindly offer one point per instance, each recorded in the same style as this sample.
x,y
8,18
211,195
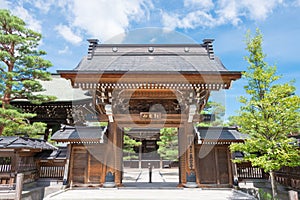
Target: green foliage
x,y
168,144
21,68
264,195
269,114
15,122
128,148
215,108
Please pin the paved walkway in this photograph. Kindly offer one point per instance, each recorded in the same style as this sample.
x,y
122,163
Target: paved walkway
x,y
150,194
137,187
166,178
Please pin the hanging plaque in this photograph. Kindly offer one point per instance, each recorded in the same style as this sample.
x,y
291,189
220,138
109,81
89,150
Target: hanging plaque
x,y
150,115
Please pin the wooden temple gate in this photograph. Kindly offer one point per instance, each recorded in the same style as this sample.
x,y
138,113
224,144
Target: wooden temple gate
x,y
143,86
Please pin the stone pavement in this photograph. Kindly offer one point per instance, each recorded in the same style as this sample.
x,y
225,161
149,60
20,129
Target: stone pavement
x,y
149,194
137,187
160,178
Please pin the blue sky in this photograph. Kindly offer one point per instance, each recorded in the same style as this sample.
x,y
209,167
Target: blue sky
x,y
66,25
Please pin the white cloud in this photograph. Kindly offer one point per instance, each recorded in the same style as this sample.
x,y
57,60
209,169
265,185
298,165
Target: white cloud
x,y
4,4
64,51
228,12
200,4
29,19
153,40
259,10
209,14
189,21
104,19
296,3
43,5
68,34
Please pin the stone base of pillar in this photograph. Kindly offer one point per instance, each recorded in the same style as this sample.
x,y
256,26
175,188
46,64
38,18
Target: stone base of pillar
x,y
109,185
191,185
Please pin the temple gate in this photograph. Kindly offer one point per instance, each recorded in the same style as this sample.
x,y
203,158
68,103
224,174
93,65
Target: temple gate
x,y
142,86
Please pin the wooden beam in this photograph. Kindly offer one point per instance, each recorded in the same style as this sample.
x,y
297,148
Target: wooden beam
x,y
155,77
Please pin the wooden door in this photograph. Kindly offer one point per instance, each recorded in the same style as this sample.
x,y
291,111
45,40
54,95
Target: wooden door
x,y
207,169
222,162
80,158
94,170
213,165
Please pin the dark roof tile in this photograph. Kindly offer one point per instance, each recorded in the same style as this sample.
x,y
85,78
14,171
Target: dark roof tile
x,y
131,58
220,133
17,142
81,133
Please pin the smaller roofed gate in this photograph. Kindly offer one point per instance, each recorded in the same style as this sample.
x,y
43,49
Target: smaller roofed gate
x,y
146,86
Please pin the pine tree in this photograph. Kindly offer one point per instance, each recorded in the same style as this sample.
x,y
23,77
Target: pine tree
x,y
21,69
269,113
128,148
168,144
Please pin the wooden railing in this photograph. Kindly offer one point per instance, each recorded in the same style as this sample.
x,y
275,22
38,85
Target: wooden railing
x,y
5,168
5,164
5,175
246,171
52,172
289,176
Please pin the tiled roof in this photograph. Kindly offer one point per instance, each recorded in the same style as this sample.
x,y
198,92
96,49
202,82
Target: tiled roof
x,y
151,57
58,154
79,134
219,133
17,142
63,90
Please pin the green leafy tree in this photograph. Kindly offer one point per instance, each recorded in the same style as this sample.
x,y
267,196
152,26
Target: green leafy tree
x,y
217,110
168,144
21,68
269,113
128,148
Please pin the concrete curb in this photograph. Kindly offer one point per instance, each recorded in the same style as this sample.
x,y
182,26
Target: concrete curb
x,y
243,193
56,193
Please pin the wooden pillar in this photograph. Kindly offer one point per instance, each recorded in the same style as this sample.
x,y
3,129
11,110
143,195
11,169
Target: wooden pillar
x,y
67,165
186,152
197,164
118,156
182,155
116,142
19,186
217,165
71,166
190,148
230,167
13,169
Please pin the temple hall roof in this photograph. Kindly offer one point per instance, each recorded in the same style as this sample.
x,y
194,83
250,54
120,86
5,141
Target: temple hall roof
x,y
219,133
80,134
17,142
150,58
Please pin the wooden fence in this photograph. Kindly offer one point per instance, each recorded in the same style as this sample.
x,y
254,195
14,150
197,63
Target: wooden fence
x,y
246,171
52,171
5,168
289,176
5,164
